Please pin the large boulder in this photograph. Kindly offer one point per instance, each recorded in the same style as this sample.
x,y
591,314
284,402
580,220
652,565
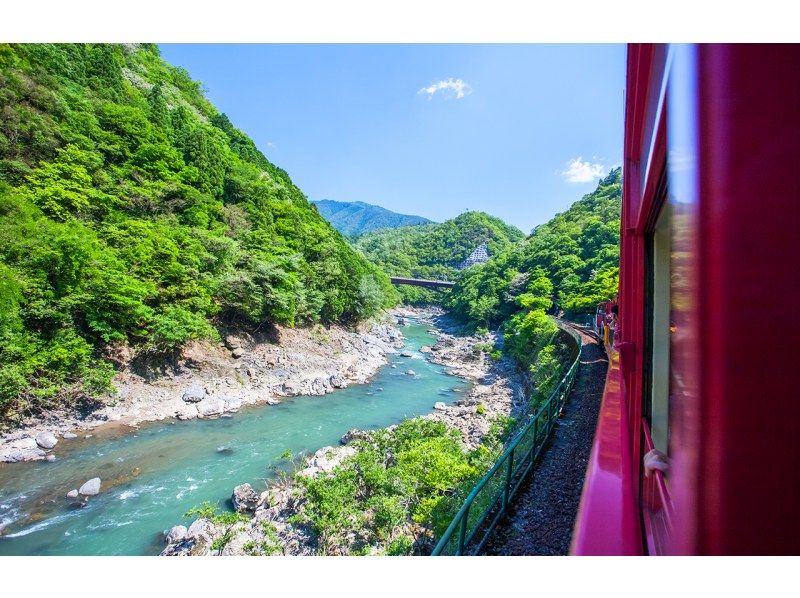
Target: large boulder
x,y
46,440
72,493
187,412
90,488
233,342
439,406
320,386
194,394
328,457
210,406
337,381
244,498
176,534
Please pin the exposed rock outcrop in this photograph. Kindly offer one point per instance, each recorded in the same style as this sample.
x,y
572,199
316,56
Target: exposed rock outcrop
x,y
244,498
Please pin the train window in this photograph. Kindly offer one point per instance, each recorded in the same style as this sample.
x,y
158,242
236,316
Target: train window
x,y
659,333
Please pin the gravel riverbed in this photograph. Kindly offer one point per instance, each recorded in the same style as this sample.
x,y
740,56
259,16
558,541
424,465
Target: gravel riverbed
x,y
209,380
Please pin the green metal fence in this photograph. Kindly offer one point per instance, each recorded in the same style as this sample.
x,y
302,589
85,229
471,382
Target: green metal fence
x,y
489,499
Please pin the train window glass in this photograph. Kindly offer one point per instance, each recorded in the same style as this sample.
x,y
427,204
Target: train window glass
x,y
659,391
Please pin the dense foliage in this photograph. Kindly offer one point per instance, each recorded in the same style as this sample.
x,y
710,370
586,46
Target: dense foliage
x,y
358,218
398,491
133,212
573,260
435,251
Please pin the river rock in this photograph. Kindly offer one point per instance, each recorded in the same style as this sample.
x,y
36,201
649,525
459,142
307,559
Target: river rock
x,y
50,458
69,435
425,349
326,458
320,386
72,493
292,388
237,352
439,406
176,534
273,401
233,404
244,498
233,342
354,434
210,406
90,488
194,394
411,373
338,382
46,440
187,412
406,354
200,530
25,443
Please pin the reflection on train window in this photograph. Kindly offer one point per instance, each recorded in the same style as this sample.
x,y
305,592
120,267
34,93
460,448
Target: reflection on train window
x,y
660,300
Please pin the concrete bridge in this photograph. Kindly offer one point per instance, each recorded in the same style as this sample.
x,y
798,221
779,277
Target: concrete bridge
x,y
428,284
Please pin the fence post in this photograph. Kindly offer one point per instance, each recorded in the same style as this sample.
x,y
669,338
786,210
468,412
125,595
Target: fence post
x,y
509,469
462,533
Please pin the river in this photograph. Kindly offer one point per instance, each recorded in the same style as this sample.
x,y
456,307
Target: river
x,y
153,476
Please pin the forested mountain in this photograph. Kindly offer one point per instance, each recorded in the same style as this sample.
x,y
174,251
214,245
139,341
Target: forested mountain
x,y
357,218
133,213
435,250
572,259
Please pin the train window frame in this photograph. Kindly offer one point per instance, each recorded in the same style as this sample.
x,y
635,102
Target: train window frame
x,y
657,351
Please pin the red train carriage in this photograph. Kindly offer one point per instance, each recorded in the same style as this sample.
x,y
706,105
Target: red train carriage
x,y
703,369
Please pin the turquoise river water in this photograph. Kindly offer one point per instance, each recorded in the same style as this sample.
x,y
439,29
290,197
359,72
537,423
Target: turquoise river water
x,y
152,476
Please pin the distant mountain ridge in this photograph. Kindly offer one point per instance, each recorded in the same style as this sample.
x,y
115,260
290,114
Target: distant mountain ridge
x,y
354,218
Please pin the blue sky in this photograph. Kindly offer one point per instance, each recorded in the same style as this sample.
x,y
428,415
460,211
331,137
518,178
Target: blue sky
x,y
519,131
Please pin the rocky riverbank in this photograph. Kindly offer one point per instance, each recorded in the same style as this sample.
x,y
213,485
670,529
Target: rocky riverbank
x,y
497,390
211,380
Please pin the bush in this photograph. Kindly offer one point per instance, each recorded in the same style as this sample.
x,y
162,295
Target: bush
x,y
401,476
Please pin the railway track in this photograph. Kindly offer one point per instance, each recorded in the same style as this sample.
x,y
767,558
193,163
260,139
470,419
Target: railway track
x,y
541,518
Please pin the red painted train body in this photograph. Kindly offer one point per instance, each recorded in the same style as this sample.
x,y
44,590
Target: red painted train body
x,y
703,364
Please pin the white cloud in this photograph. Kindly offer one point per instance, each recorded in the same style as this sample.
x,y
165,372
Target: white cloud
x,y
578,171
457,88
